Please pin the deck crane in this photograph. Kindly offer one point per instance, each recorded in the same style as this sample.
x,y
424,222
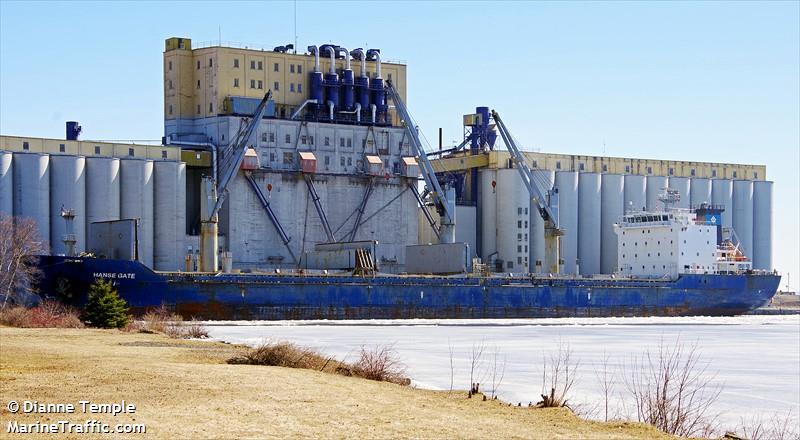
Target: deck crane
x,y
214,193
444,199
543,199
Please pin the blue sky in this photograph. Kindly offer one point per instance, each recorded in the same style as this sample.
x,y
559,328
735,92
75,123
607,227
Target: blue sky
x,y
707,81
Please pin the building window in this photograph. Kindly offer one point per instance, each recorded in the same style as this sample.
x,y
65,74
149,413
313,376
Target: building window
x,y
236,63
96,149
275,67
277,86
211,107
62,148
299,88
605,168
299,68
327,160
627,168
519,248
210,62
163,154
349,161
671,171
272,156
25,145
288,139
260,84
327,141
236,82
252,84
519,211
581,167
349,143
170,84
311,140
510,264
755,174
291,68
341,142
526,223
341,161
260,65
272,137
198,64
198,109
263,137
558,165
288,158
291,87
303,139
713,173
519,224
535,164
735,175
649,170
252,65
198,84
170,65
130,152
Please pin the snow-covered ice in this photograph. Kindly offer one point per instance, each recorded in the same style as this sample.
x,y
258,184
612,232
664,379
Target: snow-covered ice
x,y
755,358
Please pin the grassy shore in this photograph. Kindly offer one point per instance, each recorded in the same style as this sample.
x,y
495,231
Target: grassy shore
x,y
184,389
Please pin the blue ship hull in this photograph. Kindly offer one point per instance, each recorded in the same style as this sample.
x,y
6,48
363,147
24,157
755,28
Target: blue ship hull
x,y
288,296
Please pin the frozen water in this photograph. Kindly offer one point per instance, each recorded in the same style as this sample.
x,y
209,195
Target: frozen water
x,y
756,359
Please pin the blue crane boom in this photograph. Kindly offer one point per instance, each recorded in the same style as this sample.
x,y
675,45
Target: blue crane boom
x,y
443,199
543,199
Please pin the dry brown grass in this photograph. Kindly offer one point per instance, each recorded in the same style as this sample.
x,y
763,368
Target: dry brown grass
x,y
184,389
48,314
161,320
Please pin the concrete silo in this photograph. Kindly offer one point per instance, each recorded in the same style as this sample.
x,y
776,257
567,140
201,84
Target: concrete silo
x,y
683,185
136,201
589,223
700,189
743,214
567,184
32,190
613,200
6,183
722,194
102,190
169,200
635,193
655,185
67,191
762,225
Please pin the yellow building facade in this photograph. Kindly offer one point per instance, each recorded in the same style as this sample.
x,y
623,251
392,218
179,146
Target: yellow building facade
x,y
604,164
21,144
197,80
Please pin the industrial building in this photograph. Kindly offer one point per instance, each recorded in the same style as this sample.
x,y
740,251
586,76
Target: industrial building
x,y
332,162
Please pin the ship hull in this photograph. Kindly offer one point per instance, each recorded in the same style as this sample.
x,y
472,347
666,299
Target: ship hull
x,y
303,297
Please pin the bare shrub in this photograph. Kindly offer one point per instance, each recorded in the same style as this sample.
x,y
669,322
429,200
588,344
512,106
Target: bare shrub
x,y
476,366
498,371
194,330
673,391
380,363
48,314
20,240
558,377
284,354
776,427
605,378
158,320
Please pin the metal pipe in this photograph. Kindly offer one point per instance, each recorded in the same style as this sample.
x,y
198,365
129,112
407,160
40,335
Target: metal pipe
x,y
358,112
374,109
315,51
346,57
299,109
330,108
332,53
208,145
377,54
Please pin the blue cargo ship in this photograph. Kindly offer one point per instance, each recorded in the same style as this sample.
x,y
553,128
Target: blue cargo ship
x,y
327,296
669,264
